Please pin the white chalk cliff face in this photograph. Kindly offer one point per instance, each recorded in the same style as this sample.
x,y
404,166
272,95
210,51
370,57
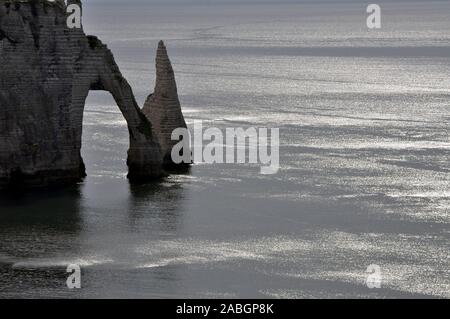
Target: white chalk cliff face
x,y
46,72
162,107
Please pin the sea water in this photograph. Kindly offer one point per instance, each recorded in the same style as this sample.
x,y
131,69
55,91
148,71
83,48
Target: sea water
x,y
364,173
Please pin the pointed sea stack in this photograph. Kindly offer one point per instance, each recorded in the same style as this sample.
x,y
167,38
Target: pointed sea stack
x,y
46,72
163,107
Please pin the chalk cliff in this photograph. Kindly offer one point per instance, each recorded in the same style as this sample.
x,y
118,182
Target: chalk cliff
x,y
162,107
46,72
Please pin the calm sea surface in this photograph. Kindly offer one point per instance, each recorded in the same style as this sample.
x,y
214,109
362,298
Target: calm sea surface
x,y
364,120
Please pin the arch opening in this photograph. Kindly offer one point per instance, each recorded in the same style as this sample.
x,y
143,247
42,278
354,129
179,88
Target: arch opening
x,y
105,137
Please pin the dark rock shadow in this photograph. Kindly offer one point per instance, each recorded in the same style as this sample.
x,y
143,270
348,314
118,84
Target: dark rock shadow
x,y
39,222
157,205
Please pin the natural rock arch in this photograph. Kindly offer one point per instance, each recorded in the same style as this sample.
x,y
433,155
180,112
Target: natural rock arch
x,y
100,72
46,72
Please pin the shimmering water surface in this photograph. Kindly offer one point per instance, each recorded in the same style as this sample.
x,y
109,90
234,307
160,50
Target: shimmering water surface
x,y
364,121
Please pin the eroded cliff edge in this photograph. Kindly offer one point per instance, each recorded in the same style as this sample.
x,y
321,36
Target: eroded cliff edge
x,y
46,73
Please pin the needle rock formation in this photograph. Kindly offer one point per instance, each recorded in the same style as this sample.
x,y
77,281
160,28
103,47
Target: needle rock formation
x,y
46,73
162,107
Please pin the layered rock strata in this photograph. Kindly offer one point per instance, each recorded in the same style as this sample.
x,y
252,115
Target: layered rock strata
x,y
46,72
